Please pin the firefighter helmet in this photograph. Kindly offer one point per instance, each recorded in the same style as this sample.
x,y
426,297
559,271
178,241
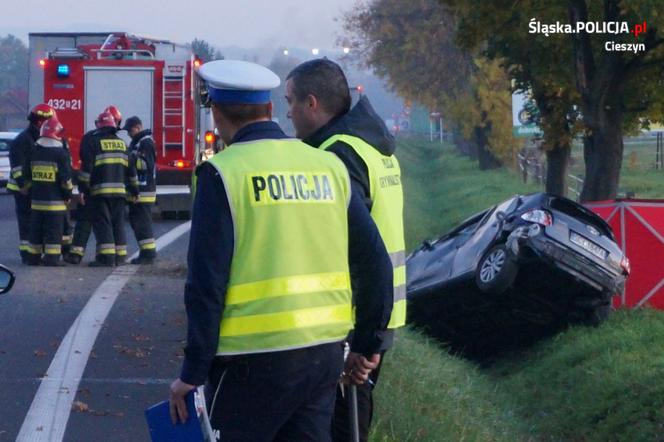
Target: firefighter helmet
x,y
52,129
105,119
41,112
117,115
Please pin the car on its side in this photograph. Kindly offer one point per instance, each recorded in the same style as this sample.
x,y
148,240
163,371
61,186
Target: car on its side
x,y
521,269
5,169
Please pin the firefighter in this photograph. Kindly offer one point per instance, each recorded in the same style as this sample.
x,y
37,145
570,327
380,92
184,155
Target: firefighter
x,y
319,106
83,227
111,181
48,175
19,152
268,290
142,157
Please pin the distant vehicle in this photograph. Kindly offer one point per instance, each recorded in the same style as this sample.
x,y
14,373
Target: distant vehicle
x,y
6,279
81,73
536,260
5,169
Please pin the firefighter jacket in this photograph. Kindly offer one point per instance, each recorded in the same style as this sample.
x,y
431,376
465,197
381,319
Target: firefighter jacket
x,y
19,152
105,169
48,175
142,157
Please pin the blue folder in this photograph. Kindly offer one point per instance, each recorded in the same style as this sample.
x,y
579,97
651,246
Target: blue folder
x,y
163,430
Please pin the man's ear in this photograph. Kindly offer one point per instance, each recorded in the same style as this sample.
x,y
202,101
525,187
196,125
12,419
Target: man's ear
x,y
312,102
269,109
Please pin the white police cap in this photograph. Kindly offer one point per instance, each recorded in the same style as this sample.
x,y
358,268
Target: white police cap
x,y
238,82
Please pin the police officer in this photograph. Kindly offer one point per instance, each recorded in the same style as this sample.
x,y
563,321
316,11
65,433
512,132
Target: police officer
x,y
319,106
48,175
111,180
142,157
19,152
83,227
268,294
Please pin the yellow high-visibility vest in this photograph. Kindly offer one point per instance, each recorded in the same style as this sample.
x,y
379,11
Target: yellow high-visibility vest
x,y
289,283
386,194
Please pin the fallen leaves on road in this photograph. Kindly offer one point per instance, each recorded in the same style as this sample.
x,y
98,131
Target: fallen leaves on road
x,y
79,406
40,353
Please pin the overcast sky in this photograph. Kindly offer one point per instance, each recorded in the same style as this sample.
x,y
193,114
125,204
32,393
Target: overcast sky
x,y
244,23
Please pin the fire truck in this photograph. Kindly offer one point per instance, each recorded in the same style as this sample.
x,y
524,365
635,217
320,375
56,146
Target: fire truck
x,y
80,74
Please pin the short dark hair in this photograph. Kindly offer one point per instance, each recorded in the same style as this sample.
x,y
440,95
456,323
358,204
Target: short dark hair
x,y
242,113
325,80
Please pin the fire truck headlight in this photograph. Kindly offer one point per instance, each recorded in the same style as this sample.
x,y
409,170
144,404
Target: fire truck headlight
x,y
63,70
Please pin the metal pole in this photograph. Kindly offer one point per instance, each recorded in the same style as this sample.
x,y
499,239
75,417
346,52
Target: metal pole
x,y
430,130
441,130
354,421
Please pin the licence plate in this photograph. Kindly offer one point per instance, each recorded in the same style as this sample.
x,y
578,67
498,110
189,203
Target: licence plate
x,y
588,245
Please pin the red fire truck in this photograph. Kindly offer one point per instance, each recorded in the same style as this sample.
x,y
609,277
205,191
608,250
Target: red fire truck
x,y
80,74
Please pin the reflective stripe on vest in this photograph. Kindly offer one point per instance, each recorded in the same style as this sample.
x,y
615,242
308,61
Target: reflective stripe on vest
x,y
386,195
289,285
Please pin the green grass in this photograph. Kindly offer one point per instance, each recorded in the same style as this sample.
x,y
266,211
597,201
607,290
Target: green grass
x,y
601,384
638,173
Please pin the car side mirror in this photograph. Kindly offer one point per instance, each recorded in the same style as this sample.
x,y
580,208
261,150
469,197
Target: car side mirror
x,y
6,279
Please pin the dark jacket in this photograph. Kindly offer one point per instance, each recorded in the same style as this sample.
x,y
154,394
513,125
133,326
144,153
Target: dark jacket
x,y
363,122
48,174
142,156
19,153
104,157
83,178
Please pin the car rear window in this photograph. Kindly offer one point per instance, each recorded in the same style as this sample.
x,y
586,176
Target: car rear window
x,y
579,213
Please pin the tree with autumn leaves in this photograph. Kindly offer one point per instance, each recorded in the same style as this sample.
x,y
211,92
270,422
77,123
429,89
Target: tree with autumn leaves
x,y
411,45
580,87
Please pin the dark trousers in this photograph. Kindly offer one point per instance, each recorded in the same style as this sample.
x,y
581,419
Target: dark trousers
x,y
82,229
341,421
22,206
108,226
45,235
140,219
279,396
67,235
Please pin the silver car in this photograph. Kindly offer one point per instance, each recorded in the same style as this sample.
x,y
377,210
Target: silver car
x,y
5,140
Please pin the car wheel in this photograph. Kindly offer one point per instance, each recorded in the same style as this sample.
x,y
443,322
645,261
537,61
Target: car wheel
x,y
496,271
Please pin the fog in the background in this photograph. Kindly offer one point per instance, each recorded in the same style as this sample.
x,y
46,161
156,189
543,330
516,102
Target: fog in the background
x,y
247,24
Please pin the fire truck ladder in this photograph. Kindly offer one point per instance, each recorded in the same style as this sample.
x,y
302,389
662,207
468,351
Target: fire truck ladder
x,y
173,115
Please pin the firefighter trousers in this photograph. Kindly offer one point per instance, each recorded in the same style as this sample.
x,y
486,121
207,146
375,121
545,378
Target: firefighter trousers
x,y
67,234
22,206
109,229
45,235
83,228
140,218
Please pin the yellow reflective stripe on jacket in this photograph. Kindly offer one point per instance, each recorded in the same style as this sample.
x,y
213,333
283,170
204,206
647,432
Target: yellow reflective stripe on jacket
x,y
275,322
102,161
13,186
289,285
147,198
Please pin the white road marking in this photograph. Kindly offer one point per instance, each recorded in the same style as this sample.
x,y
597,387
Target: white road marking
x,y
48,415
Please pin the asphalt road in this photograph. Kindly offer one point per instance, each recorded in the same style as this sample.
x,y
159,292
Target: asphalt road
x,y
135,357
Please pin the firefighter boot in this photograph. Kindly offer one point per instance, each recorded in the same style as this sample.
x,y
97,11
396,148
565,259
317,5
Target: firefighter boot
x,y
52,261
103,261
72,258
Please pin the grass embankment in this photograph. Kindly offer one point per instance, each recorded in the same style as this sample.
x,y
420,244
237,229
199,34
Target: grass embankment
x,y
586,384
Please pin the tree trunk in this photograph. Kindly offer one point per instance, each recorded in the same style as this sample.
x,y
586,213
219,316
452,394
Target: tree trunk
x,y
486,159
603,153
557,161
